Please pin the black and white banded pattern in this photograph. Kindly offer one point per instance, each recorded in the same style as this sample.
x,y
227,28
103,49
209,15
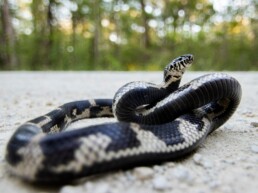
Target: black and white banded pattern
x,y
156,123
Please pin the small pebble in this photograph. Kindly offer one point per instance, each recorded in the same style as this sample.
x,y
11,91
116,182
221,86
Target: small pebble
x,y
88,186
231,162
160,183
248,114
254,124
254,148
226,189
70,189
129,177
170,164
181,173
197,158
49,103
214,184
143,173
241,159
158,169
102,188
200,160
248,166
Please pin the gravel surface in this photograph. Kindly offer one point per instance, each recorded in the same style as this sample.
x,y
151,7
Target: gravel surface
x,y
227,162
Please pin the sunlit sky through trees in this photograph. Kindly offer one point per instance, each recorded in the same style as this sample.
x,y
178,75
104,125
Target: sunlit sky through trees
x,y
63,13
127,34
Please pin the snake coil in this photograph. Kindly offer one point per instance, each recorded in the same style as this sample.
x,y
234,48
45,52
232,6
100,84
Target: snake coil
x,y
156,123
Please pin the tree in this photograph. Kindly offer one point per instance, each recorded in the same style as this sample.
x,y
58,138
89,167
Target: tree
x,y
146,37
8,56
126,34
43,20
96,11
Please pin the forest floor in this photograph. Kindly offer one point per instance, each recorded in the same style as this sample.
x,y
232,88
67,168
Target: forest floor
x,y
227,161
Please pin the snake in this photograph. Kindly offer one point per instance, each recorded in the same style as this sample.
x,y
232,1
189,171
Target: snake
x,y
156,123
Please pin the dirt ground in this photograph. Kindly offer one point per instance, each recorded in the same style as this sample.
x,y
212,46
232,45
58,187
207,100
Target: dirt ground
x,y
227,162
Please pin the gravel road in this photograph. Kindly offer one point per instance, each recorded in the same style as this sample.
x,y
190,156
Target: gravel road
x,y
227,162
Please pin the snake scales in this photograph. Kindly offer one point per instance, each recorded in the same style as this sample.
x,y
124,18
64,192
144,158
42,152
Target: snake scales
x,y
156,123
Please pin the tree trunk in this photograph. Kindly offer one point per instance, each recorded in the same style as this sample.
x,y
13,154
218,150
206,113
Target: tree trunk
x,y
8,39
49,41
115,18
43,34
73,58
146,36
96,36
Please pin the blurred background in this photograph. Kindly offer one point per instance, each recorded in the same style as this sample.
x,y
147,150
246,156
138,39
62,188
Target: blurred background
x,y
127,34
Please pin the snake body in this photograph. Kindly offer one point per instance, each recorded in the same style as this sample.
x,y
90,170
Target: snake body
x,y
156,123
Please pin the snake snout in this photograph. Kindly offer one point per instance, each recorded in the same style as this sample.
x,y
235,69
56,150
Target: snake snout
x,y
188,58
182,62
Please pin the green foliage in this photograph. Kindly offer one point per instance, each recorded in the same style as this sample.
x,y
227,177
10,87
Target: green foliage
x,y
112,35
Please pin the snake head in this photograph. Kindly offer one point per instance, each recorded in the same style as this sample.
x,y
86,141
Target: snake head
x,y
176,68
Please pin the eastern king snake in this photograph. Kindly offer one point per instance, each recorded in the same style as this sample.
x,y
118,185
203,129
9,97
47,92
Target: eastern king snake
x,y
156,123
